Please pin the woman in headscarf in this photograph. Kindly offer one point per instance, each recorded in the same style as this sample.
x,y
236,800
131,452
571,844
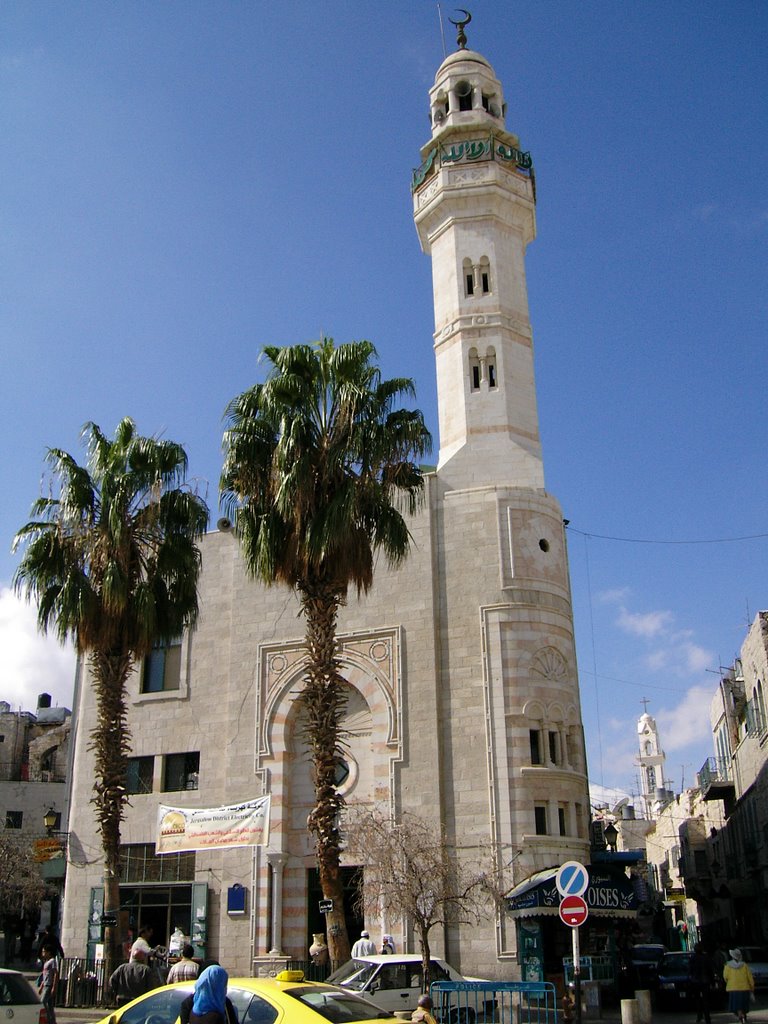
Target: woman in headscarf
x,y
739,984
208,1004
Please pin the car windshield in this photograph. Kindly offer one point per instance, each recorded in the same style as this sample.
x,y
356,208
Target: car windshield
x,y
354,974
161,1007
15,990
336,1006
677,963
647,953
754,955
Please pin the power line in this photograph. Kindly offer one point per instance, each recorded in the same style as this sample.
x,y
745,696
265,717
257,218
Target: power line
x,y
647,540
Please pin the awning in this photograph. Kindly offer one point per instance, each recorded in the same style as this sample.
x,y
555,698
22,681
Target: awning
x,y
609,894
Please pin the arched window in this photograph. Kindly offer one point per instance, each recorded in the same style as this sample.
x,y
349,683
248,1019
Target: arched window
x,y
484,275
464,95
490,366
474,370
468,273
760,702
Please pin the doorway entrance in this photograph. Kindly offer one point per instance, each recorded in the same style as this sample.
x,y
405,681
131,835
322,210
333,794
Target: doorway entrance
x,y
163,907
352,879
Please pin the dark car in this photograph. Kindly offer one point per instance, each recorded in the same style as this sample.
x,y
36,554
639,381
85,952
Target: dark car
x,y
757,958
645,958
674,985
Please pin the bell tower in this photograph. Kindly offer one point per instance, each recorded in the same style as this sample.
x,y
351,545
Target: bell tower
x,y
474,208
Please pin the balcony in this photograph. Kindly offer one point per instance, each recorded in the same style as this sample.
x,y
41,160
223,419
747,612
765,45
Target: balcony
x,y
715,782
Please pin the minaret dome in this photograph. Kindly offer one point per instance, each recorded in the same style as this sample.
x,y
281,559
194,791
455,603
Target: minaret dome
x,y
466,92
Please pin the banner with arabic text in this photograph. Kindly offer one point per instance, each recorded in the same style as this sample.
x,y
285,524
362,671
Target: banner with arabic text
x,y
208,828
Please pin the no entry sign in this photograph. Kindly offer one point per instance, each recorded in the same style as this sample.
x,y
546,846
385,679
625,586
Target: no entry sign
x,y
573,911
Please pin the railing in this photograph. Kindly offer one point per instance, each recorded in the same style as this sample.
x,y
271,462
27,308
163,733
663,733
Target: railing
x,y
82,982
593,968
714,769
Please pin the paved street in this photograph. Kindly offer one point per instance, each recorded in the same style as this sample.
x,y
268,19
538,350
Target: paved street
x,y
759,1015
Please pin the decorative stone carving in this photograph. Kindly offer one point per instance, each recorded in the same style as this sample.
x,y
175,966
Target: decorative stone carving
x,y
549,663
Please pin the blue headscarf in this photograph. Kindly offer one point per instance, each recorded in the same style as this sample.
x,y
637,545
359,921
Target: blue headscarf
x,y
211,991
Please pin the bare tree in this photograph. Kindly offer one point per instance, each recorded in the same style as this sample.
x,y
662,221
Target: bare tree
x,y
412,872
22,888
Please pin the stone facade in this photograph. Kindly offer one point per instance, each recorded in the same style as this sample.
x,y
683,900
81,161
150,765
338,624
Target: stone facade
x,y
463,692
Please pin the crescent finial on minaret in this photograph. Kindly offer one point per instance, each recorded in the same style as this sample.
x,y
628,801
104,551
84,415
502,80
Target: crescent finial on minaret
x,y
461,36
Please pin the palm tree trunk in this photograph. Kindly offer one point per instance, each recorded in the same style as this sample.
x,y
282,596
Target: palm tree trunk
x,y
323,699
110,741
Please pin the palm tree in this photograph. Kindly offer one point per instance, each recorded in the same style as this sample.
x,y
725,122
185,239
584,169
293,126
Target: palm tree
x,y
319,462
113,564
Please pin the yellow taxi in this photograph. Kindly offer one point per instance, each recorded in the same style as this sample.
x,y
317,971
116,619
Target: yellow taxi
x,y
285,999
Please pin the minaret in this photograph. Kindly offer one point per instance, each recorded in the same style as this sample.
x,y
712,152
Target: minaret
x,y
474,212
509,731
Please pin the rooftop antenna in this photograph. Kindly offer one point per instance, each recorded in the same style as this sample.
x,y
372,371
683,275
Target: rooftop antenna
x,y
442,29
461,36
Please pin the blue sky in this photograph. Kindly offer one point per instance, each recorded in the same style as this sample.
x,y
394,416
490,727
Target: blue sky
x,y
183,183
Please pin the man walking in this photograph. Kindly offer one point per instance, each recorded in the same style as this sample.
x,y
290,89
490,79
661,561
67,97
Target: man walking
x,y
133,979
363,946
702,975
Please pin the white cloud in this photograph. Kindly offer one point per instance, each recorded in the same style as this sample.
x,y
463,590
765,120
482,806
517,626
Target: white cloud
x,y
31,664
688,723
697,658
648,624
680,659
613,596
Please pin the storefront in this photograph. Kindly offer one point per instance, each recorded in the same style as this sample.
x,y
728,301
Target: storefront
x,y
544,943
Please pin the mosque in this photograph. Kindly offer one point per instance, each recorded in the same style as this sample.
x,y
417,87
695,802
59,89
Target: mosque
x,y
463,694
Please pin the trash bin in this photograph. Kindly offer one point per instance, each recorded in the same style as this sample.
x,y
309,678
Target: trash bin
x,y
591,1000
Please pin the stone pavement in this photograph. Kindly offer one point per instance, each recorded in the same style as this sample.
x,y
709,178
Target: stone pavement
x,y
757,1015
610,1015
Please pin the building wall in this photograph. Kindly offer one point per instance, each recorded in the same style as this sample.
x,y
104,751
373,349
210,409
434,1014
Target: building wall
x,y
452,659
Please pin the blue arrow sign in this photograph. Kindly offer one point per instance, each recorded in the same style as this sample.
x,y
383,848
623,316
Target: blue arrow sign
x,y
572,879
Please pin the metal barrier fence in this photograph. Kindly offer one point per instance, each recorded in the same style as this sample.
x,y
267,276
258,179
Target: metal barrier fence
x,y
81,982
494,1002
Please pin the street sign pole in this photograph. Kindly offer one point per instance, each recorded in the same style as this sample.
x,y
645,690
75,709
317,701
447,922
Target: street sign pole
x,y
576,973
572,881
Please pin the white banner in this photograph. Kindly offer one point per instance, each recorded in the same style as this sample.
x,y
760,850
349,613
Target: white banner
x,y
207,828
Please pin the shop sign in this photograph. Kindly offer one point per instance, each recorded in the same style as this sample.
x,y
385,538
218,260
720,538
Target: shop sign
x,y
51,848
605,892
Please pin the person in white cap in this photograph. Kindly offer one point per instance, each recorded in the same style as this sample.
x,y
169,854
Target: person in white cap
x,y
363,946
739,984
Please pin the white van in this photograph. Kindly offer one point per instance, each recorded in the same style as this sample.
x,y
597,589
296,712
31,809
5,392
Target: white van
x,y
395,981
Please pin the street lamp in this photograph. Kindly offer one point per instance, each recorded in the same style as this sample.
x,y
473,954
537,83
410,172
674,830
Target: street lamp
x,y
611,834
50,819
